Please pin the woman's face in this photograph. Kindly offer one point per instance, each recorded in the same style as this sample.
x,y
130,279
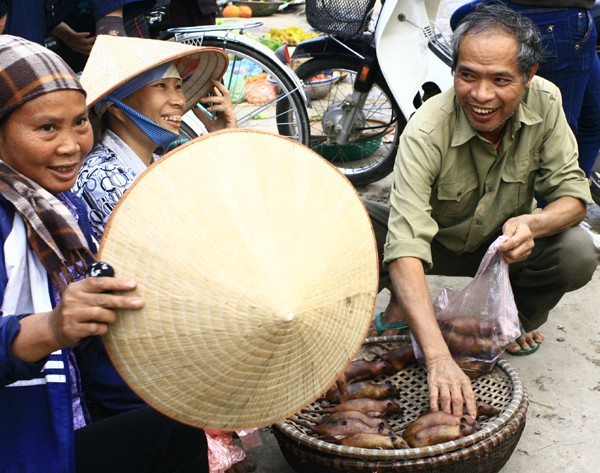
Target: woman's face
x,y
161,101
47,138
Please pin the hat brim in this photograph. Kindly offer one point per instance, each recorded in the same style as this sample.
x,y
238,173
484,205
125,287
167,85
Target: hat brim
x,y
258,266
115,60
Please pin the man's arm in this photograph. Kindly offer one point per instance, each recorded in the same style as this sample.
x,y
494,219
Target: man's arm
x,y
111,24
521,231
449,388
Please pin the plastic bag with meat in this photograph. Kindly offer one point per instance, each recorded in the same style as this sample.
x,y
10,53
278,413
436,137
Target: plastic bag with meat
x,y
479,321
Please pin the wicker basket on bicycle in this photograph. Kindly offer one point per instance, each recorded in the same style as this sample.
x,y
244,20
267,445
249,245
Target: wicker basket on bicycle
x,y
339,17
485,451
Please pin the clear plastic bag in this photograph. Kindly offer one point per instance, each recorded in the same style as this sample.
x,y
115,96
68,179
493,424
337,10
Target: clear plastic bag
x,y
479,321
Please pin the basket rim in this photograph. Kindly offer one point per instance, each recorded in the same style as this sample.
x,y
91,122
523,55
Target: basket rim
x,y
519,395
498,446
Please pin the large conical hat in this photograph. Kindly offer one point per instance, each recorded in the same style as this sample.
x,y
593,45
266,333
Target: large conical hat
x,y
258,266
115,60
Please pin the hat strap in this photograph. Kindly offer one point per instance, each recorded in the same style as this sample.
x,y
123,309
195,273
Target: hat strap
x,y
160,136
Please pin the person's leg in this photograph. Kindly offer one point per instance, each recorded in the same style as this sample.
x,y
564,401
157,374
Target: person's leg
x,y
571,63
179,14
391,319
588,133
143,441
558,264
379,214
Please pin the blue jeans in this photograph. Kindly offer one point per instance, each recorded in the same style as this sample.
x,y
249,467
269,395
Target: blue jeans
x,y
569,39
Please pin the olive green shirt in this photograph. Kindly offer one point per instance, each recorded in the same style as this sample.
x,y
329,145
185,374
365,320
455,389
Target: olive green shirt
x,y
452,184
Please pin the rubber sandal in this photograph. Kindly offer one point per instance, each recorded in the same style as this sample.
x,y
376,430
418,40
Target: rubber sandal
x,y
523,352
381,327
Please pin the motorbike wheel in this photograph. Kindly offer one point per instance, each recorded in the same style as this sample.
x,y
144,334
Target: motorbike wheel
x,y
370,152
283,113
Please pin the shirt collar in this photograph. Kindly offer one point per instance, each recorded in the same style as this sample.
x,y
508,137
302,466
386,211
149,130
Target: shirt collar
x,y
113,142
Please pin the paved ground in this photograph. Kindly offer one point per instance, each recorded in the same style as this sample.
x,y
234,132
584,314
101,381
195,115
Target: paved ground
x,y
562,378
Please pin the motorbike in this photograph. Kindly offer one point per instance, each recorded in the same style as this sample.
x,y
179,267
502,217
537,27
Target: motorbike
x,y
360,103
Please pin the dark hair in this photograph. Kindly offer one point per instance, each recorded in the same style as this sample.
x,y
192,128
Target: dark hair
x,y
497,17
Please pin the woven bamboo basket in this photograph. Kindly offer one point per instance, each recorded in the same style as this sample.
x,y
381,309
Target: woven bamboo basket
x,y
485,451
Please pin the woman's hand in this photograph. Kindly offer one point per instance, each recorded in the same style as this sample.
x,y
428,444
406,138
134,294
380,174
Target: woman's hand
x,y
220,106
87,308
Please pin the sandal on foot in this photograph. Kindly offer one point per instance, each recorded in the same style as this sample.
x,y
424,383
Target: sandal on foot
x,y
523,352
381,327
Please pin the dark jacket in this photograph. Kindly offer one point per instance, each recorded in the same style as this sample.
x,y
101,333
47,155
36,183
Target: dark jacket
x,y
33,19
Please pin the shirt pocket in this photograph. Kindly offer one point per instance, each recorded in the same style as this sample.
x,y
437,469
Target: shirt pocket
x,y
455,200
515,184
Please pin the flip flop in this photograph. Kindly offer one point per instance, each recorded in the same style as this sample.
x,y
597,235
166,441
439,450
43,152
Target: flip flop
x,y
523,352
381,327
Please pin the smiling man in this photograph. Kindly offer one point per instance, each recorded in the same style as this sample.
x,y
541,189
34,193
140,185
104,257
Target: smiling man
x,y
469,163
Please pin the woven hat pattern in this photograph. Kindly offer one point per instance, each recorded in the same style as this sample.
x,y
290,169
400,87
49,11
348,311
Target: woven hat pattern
x,y
28,70
259,269
114,60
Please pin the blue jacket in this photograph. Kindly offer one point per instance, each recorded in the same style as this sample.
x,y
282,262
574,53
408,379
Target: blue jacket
x,y
33,19
36,419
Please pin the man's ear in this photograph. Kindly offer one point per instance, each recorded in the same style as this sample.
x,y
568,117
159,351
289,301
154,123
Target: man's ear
x,y
534,70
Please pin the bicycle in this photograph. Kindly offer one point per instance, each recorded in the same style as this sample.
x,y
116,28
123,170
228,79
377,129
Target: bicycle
x,y
281,109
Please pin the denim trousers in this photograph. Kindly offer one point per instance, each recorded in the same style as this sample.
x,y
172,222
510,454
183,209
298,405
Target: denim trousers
x,y
571,62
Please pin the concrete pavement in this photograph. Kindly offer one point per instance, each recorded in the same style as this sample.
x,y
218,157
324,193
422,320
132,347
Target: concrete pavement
x,y
562,378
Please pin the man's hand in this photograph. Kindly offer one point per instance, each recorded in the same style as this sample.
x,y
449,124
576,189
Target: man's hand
x,y
519,244
450,389
80,42
219,104
521,231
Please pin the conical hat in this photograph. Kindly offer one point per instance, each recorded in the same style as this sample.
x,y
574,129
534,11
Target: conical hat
x,y
258,266
114,60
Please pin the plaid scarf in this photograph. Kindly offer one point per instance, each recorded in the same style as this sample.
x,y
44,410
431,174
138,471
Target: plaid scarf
x,y
52,231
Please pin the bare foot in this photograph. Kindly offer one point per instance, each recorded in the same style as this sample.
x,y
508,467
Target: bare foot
x,y
526,344
245,466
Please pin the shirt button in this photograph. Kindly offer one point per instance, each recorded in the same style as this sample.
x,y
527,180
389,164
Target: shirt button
x,y
490,189
477,221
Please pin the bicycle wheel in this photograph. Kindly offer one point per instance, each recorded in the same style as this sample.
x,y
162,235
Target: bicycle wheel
x,y
264,97
370,152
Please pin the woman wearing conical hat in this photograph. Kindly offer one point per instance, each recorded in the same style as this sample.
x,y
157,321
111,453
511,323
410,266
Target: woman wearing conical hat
x,y
141,88
50,315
